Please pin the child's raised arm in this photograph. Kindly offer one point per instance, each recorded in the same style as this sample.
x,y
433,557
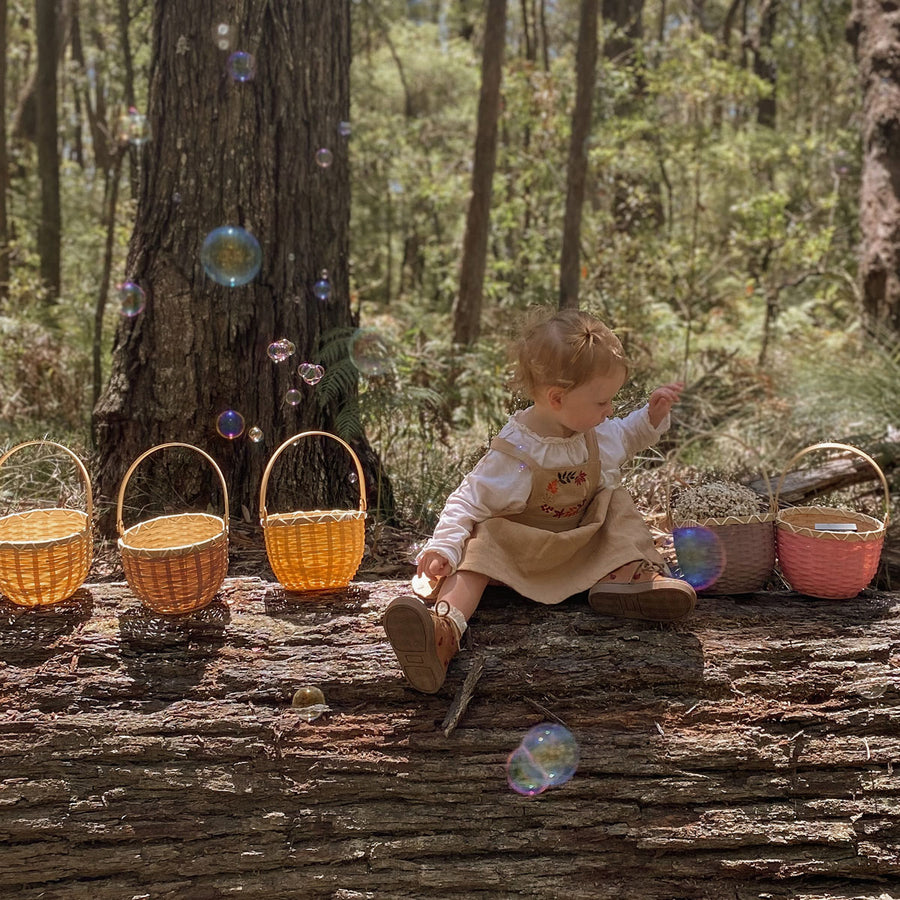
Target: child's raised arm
x,y
662,400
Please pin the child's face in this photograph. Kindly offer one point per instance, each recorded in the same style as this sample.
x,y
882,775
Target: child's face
x,y
586,406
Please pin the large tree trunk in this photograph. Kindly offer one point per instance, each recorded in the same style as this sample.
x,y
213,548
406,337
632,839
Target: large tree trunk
x,y
872,31
243,154
576,170
467,309
4,167
748,752
764,66
50,224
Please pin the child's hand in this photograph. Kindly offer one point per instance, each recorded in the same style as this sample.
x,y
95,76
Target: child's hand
x,y
434,565
662,400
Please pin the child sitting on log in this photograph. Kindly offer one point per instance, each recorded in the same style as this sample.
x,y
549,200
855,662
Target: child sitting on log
x,y
543,511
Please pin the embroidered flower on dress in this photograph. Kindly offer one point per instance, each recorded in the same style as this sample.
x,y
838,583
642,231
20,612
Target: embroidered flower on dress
x,y
553,486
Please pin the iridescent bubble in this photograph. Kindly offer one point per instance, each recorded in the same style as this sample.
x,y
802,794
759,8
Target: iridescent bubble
x,y
353,478
370,352
231,255
293,397
176,198
344,129
324,158
310,372
309,701
255,434
132,298
133,128
554,748
395,187
701,556
322,288
241,66
523,775
224,36
230,424
280,350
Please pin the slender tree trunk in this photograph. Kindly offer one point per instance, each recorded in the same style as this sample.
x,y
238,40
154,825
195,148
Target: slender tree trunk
x,y
467,310
585,74
872,31
50,224
231,153
4,166
764,66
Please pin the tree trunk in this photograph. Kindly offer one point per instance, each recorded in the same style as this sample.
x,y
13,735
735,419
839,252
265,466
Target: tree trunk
x,y
4,167
467,309
576,170
872,31
50,223
226,152
764,66
747,752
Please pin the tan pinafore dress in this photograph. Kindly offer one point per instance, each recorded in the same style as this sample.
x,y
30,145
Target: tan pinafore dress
x,y
571,533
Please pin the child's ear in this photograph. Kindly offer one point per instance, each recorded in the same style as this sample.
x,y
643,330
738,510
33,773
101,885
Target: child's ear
x,y
554,397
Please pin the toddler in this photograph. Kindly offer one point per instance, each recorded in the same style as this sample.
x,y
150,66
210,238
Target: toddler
x,y
543,510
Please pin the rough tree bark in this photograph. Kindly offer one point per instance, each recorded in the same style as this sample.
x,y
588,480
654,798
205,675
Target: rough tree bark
x,y
872,30
4,168
225,152
749,752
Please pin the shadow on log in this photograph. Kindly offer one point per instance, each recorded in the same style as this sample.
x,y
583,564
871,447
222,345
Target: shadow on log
x,y
746,753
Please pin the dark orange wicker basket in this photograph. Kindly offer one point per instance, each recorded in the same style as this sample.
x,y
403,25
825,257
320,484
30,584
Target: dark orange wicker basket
x,y
177,563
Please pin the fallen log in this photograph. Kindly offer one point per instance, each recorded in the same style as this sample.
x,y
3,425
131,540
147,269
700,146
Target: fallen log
x,y
749,752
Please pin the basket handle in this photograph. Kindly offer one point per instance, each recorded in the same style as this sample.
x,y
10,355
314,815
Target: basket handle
x,y
827,445
293,440
773,499
120,525
88,496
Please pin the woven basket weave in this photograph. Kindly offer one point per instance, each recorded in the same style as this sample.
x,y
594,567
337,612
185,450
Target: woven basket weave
x,y
317,549
746,543
833,565
174,564
45,554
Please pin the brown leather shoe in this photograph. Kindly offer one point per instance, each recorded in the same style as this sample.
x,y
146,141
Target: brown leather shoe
x,y
423,640
643,592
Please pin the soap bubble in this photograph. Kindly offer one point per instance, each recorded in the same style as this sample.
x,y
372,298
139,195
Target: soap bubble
x,y
370,352
547,757
324,158
224,36
322,288
353,478
310,372
255,434
241,66
278,351
309,701
344,129
293,397
231,255
230,424
133,128
701,556
132,298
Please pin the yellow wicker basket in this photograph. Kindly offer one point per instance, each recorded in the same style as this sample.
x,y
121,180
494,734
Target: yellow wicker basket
x,y
320,548
174,564
45,554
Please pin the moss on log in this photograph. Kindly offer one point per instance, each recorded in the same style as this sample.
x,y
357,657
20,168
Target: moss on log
x,y
749,752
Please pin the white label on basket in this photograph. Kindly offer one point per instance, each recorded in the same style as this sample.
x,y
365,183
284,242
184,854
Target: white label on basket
x,y
835,526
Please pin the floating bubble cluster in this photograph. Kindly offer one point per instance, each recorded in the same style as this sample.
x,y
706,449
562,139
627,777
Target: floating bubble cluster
x,y
310,372
309,701
370,352
132,298
344,129
230,424
322,288
701,556
280,350
224,36
293,397
231,256
255,434
324,158
133,128
547,757
241,66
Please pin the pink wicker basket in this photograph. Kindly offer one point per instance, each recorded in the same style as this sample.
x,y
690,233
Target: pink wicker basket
x,y
829,564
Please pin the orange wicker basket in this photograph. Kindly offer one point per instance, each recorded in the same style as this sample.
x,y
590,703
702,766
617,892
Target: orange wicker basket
x,y
176,563
831,564
45,554
317,549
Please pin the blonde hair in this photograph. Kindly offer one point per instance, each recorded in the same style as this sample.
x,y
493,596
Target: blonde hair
x,y
564,349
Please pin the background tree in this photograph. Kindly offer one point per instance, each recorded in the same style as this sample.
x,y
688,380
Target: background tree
x,y
229,151
4,166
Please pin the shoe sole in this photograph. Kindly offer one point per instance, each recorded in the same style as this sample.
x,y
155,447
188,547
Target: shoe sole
x,y
644,601
410,630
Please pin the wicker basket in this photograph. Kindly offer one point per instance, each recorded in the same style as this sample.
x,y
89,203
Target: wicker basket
x,y
45,554
174,564
318,549
833,565
746,543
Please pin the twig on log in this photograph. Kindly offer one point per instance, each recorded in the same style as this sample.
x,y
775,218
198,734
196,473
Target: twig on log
x,y
544,710
463,696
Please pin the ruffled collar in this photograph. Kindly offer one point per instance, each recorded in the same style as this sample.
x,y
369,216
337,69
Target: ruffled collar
x,y
517,423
